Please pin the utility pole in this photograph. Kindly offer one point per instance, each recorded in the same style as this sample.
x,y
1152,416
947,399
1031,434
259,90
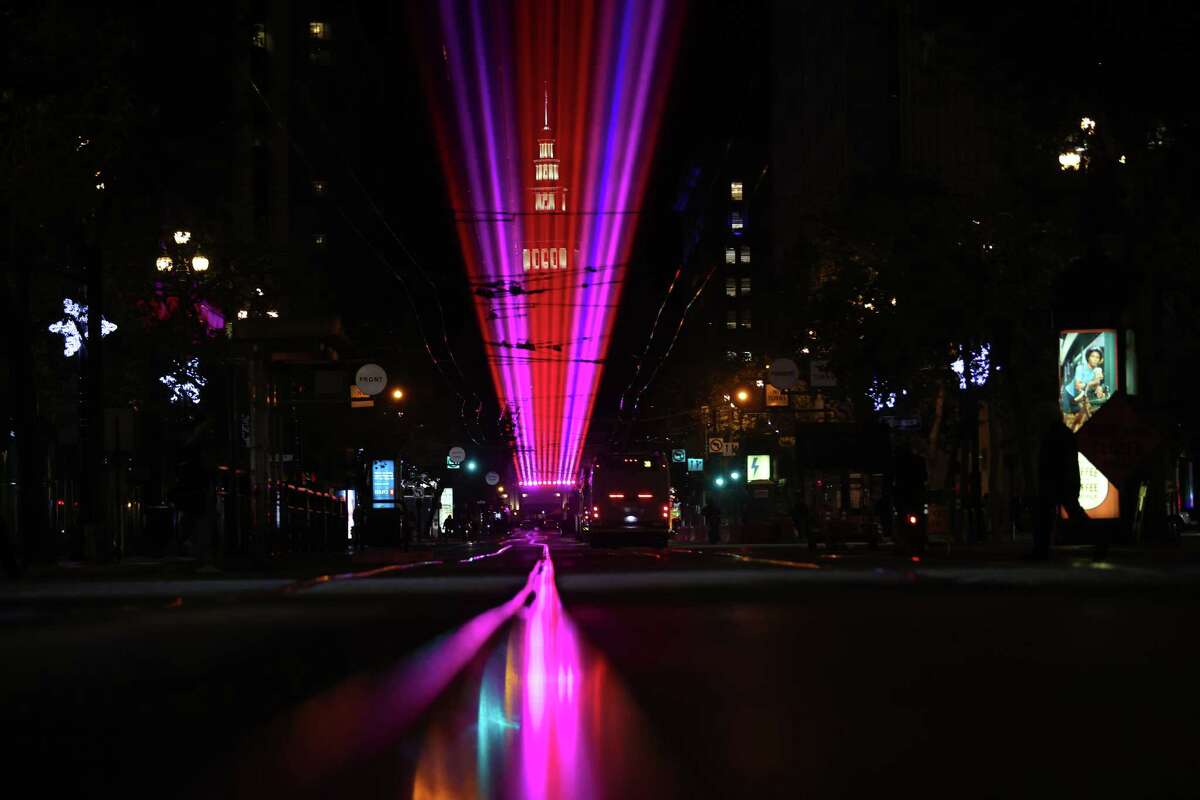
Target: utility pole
x,y
96,537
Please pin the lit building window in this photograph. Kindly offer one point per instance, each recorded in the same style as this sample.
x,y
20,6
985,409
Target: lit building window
x,y
545,149
730,255
745,286
745,255
319,187
259,37
731,287
319,239
735,222
748,357
525,259
731,320
746,319
318,30
544,201
735,190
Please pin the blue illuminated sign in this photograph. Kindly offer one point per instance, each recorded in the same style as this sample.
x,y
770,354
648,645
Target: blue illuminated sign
x,y
383,482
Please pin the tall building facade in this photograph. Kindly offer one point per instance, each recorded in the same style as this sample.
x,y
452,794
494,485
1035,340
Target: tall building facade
x,y
545,244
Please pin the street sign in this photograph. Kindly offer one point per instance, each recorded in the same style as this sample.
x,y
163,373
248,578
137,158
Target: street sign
x,y
716,446
695,465
452,464
359,398
370,378
730,449
784,374
776,397
758,468
820,376
491,479
679,456
457,455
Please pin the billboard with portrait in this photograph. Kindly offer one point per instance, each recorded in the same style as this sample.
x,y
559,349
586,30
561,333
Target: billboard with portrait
x,y
1087,373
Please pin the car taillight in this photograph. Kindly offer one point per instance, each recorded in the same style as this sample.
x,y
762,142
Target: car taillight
x,y
616,496
911,519
645,496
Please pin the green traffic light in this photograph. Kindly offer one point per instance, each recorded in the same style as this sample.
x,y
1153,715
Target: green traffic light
x,y
471,466
720,482
735,475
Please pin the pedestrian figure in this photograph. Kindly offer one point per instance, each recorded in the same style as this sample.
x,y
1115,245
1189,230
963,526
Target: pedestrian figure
x,y
712,520
1058,485
801,522
356,531
883,510
405,528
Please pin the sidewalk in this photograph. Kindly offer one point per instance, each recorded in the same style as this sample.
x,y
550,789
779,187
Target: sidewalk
x,y
293,566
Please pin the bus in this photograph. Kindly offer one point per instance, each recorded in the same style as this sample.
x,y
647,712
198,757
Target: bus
x,y
627,499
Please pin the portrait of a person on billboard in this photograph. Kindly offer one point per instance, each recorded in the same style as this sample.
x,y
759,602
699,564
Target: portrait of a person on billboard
x,y
1087,373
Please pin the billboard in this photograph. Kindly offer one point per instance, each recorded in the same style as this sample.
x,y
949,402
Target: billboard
x,y
1087,373
1098,497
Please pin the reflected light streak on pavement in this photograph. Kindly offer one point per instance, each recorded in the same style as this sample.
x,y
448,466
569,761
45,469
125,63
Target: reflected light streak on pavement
x,y
530,713
550,719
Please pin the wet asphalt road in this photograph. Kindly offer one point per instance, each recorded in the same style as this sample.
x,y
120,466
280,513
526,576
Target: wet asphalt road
x,y
539,667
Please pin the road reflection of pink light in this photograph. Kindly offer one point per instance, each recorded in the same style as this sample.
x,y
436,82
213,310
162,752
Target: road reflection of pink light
x,y
550,719
531,713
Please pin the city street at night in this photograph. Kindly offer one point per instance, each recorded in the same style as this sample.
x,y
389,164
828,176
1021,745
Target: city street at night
x,y
699,671
588,399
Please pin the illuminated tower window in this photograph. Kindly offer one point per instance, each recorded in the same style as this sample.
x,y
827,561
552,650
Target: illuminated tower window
x,y
745,255
731,287
735,190
746,319
731,320
544,201
318,30
745,286
562,258
545,149
735,222
730,255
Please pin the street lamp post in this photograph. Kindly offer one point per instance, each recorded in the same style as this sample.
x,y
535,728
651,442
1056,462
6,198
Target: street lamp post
x,y
180,267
